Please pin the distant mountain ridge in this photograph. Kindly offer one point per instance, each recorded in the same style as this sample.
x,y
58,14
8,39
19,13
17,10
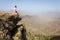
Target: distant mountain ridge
x,y
46,25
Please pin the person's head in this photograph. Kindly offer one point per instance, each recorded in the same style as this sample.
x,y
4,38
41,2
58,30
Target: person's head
x,y
15,6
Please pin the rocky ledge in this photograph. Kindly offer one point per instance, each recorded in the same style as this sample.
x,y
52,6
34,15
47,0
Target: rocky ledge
x,y
9,30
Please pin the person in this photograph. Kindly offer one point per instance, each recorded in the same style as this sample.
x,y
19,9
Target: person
x,y
15,10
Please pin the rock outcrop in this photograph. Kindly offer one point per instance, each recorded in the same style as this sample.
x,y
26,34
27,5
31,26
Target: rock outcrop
x,y
9,28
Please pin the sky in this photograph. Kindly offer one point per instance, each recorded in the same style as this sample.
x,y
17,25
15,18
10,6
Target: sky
x,y
30,5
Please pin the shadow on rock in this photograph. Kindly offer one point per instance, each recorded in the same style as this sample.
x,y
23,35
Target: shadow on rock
x,y
14,19
12,32
23,33
10,28
55,38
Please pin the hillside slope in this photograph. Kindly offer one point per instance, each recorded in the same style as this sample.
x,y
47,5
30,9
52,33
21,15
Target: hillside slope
x,y
47,25
14,27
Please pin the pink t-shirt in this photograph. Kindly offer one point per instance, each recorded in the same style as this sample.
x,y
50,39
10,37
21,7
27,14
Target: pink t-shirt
x,y
14,9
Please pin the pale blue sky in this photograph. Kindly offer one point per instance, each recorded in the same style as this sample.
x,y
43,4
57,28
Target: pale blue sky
x,y
30,5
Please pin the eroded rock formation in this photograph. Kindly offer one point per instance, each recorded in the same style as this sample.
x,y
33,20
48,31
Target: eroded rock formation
x,y
9,28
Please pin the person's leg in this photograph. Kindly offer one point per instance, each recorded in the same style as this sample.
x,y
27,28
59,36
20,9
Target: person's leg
x,y
17,14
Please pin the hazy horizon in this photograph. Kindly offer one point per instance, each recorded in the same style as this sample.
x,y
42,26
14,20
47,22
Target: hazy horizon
x,y
31,5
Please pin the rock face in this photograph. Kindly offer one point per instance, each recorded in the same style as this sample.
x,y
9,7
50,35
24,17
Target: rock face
x,y
9,28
